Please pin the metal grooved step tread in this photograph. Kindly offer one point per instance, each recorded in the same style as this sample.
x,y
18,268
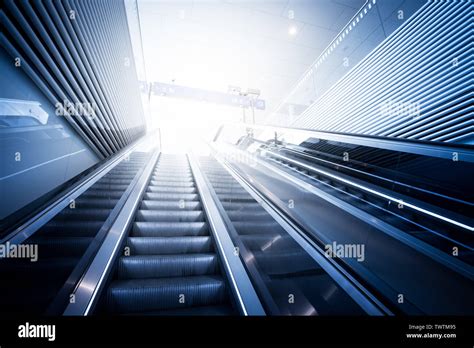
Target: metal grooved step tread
x,y
171,266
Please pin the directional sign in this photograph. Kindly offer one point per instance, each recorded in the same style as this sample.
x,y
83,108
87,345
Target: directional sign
x,y
176,91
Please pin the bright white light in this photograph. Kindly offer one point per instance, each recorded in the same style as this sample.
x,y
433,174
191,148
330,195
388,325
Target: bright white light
x,y
184,123
293,30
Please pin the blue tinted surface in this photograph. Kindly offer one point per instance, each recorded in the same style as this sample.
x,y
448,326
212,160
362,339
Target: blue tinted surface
x,y
38,150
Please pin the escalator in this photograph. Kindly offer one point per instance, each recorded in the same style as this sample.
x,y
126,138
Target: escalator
x,y
30,286
169,264
333,212
289,280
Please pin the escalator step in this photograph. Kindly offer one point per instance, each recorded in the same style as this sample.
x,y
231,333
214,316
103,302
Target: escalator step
x,y
254,227
241,197
170,215
264,242
170,205
178,171
169,245
54,267
172,183
169,229
82,203
254,206
171,196
93,193
114,181
142,295
261,215
110,186
159,266
171,177
62,246
71,228
83,214
284,262
171,189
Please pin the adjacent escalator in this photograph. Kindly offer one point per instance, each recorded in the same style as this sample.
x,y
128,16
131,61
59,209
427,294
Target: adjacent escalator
x,y
288,279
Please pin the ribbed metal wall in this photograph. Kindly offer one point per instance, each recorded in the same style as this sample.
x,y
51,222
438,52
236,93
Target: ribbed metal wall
x,y
79,51
418,84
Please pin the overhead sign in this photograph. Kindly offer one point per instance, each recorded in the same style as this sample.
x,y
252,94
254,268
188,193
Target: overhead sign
x,y
176,91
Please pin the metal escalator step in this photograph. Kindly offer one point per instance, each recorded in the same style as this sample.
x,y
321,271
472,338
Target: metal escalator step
x,y
170,205
169,245
160,266
142,295
170,215
110,186
172,166
113,176
172,183
107,180
284,262
99,203
171,196
245,197
62,246
172,171
171,189
242,206
176,175
259,215
256,227
221,185
93,193
35,270
83,214
230,190
169,229
72,228
127,173
171,177
262,242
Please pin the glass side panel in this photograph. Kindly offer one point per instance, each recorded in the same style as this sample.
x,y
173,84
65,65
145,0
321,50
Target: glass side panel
x,y
39,150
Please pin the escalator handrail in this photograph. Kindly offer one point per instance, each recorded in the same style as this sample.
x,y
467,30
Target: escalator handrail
x,y
378,193
370,175
241,285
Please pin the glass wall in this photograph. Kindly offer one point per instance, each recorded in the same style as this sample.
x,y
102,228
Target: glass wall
x,y
38,149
